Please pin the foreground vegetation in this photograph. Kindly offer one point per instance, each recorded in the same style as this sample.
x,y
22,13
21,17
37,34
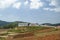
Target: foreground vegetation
x,y
34,30
28,29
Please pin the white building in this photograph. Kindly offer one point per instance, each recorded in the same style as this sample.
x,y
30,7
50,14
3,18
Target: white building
x,y
22,24
28,24
34,24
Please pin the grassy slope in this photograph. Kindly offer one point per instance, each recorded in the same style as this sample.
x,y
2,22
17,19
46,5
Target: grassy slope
x,y
42,33
38,31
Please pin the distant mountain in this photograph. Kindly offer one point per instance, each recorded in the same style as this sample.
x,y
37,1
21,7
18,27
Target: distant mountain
x,y
57,24
3,23
49,24
7,25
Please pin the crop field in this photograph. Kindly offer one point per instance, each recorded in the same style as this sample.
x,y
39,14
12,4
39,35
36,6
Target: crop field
x,y
32,33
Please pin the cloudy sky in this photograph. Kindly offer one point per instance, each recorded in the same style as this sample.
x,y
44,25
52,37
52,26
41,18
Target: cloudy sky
x,y
35,11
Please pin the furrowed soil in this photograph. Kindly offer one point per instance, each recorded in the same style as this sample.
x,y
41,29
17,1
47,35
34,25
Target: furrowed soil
x,y
46,34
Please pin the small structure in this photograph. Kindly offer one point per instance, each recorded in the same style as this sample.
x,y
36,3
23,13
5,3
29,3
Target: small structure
x,y
23,24
34,24
28,24
57,26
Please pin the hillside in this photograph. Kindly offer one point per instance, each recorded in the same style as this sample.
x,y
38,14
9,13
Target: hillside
x,y
31,33
2,23
49,24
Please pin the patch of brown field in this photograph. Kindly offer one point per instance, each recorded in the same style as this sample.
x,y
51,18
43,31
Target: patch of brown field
x,y
48,30
1,30
23,35
45,30
47,37
50,37
19,36
31,35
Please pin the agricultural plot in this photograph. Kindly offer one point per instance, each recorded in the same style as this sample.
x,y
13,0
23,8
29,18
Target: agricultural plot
x,y
33,33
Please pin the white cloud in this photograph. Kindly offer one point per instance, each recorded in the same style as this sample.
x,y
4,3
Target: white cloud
x,y
55,3
46,8
49,9
36,5
17,5
34,0
26,2
6,3
52,9
57,9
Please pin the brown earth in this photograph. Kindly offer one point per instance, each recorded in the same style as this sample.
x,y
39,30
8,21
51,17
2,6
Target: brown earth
x,y
46,34
31,36
47,37
1,30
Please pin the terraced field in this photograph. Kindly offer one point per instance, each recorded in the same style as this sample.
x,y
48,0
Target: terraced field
x,y
33,33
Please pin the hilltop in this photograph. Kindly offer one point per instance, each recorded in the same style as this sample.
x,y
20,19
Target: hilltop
x,y
49,24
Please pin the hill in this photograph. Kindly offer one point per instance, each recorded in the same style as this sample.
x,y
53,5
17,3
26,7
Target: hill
x,y
4,24
49,24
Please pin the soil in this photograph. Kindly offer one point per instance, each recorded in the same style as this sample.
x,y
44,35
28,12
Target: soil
x,y
30,36
47,37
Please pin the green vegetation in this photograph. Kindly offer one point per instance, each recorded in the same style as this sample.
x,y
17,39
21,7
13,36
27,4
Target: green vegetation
x,y
36,30
1,38
33,28
16,31
27,29
8,26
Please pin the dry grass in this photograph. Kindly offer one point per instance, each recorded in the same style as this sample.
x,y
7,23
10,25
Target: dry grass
x,y
37,34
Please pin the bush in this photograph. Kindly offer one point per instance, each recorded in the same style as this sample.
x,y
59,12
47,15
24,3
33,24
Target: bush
x,y
2,38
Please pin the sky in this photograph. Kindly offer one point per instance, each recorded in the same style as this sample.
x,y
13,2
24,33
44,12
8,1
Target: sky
x,y
34,11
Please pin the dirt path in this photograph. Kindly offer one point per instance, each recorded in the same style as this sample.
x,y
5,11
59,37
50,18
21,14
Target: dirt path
x,y
47,37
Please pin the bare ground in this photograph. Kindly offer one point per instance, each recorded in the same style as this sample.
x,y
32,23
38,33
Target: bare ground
x,y
45,35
